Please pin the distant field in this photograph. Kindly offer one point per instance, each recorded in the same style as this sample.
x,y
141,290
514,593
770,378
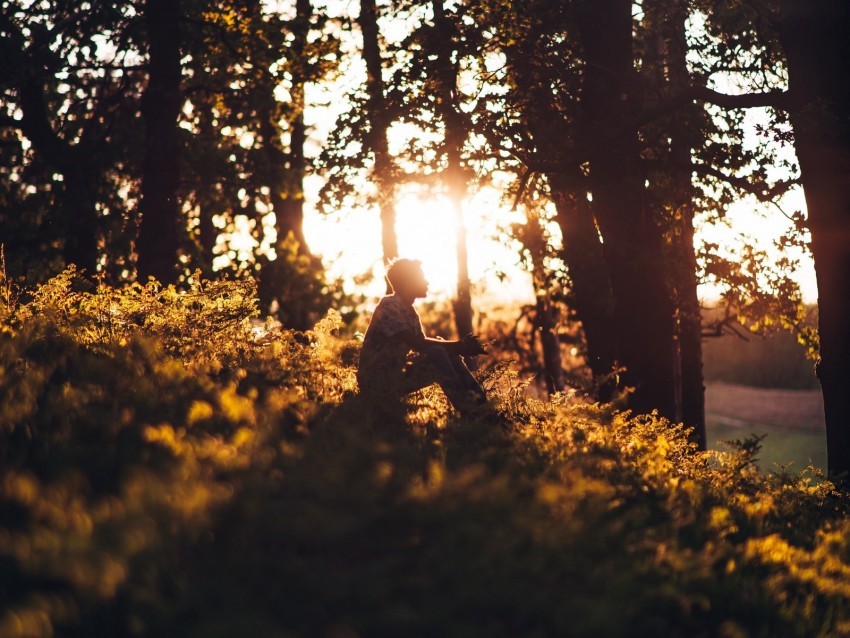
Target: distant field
x,y
792,420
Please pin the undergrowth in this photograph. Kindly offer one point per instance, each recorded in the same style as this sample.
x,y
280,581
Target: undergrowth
x,y
173,467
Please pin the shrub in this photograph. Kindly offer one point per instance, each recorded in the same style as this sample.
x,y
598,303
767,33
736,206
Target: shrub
x,y
173,467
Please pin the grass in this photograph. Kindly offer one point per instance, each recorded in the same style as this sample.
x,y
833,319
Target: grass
x,y
793,449
791,421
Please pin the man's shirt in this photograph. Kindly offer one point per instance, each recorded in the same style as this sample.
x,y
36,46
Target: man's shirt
x,y
384,354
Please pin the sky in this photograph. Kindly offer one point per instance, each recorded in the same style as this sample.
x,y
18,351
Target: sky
x,y
349,240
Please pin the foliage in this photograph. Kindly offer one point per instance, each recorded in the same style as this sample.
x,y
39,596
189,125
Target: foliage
x,y
170,468
71,148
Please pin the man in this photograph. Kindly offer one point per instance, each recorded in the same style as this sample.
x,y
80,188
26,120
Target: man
x,y
397,358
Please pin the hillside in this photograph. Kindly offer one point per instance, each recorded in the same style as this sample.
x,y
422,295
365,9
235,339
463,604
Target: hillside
x,y
169,470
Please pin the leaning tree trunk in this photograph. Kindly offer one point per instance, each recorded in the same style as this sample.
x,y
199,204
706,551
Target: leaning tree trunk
x,y
383,174
159,236
816,39
643,310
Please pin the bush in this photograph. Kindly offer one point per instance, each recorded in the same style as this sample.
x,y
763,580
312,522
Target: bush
x,y
171,468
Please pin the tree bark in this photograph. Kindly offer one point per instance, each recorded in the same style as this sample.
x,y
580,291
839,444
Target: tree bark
x,y
643,311
683,130
78,199
383,173
79,205
592,298
289,191
158,243
816,39
456,133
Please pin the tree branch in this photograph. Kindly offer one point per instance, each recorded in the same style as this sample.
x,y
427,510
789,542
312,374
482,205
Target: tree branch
x,y
744,184
776,99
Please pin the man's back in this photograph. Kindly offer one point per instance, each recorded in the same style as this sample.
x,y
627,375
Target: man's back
x,y
385,346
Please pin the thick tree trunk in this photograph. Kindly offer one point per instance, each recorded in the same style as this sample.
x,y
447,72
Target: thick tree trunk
x,y
159,235
643,310
82,228
378,123
816,39
592,298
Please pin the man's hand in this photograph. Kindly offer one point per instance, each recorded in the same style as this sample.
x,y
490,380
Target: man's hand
x,y
471,346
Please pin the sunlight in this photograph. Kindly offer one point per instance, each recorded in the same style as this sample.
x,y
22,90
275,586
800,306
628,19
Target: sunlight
x,y
426,230
350,244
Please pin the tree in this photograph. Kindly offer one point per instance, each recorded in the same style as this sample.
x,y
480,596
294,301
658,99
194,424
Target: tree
x,y
815,38
570,67
456,127
673,140
74,102
531,120
161,221
808,44
377,119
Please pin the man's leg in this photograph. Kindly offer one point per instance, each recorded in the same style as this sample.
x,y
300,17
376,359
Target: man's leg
x,y
436,365
470,383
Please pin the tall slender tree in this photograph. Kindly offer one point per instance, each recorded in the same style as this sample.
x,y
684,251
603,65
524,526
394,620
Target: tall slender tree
x,y
377,121
456,131
672,140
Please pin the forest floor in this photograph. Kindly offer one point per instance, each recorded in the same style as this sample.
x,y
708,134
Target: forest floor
x,y
792,421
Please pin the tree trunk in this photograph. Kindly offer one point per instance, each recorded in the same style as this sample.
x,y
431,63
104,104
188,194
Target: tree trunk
x,y
455,174
643,310
289,201
383,173
683,129
82,228
816,39
80,176
591,294
159,236
544,320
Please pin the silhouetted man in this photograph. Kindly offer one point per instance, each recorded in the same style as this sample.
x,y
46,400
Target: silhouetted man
x,y
397,357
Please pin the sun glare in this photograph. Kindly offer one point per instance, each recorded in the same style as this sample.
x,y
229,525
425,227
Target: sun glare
x,y
426,230
350,244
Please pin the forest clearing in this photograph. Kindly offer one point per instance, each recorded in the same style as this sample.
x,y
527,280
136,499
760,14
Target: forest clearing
x,y
401,318
791,419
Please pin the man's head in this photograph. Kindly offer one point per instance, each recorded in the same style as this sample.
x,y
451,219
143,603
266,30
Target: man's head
x,y
407,279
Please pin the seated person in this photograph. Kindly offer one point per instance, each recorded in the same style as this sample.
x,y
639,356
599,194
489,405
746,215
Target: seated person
x,y
397,358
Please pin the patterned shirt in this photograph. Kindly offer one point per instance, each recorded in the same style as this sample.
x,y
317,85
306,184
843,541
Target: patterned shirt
x,y
384,354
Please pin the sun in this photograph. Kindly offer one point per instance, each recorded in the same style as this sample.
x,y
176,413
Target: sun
x,y
426,228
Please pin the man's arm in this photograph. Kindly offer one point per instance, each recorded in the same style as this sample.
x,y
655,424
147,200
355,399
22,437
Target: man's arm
x,y
467,347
